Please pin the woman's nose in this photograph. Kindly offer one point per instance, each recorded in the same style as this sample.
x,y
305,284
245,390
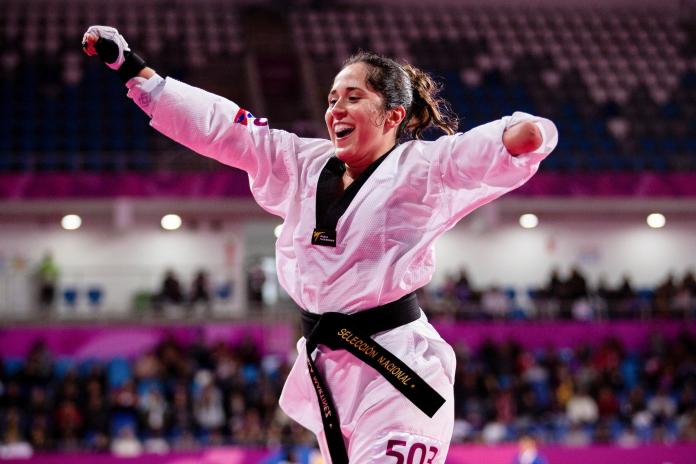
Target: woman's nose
x,y
338,109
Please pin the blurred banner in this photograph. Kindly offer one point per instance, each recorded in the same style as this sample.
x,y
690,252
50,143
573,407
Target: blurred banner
x,y
128,341
633,335
231,183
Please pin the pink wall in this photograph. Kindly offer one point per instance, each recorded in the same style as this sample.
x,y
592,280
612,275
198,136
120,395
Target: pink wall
x,y
652,454
233,183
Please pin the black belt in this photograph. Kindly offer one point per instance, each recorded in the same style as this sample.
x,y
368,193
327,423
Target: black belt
x,y
352,332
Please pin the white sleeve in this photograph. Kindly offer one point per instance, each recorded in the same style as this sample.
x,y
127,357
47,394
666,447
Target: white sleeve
x,y
220,129
476,168
145,92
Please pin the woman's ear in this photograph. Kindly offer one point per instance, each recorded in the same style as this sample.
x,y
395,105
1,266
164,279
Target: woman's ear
x,y
394,117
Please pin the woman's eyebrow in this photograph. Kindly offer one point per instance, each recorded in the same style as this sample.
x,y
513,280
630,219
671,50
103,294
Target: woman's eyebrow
x,y
348,89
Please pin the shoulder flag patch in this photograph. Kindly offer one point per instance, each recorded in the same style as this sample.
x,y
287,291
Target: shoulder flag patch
x,y
241,117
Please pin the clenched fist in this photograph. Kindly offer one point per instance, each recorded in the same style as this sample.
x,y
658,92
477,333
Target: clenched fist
x,y
113,50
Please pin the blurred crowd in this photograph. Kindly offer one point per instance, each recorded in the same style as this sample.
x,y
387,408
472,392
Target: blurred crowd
x,y
186,397
173,398
598,393
562,297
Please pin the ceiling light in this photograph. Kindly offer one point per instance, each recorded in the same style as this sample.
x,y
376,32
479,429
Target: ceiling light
x,y
171,222
529,221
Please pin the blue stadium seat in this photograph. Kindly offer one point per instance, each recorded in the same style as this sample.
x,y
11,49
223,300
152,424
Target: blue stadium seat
x,y
13,366
62,366
121,419
118,372
70,295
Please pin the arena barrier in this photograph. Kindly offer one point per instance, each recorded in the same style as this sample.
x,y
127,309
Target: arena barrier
x,y
459,454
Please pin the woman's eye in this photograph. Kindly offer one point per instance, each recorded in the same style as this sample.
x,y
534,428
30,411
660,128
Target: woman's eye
x,y
332,102
353,99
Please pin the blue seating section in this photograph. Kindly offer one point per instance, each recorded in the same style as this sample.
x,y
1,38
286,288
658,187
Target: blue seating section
x,y
619,83
62,111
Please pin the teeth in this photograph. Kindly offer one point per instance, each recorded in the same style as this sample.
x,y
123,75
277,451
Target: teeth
x,y
341,127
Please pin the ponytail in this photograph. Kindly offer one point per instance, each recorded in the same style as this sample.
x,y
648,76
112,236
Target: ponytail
x,y
427,108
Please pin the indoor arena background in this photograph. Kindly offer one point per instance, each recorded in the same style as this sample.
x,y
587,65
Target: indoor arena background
x,y
128,337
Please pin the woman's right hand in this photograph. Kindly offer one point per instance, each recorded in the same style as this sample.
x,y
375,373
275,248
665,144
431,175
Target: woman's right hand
x,y
112,48
107,43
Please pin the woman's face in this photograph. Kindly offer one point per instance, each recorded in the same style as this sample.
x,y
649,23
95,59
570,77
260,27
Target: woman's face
x,y
359,127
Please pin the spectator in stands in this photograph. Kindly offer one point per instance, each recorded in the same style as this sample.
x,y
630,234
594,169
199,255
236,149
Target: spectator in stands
x,y
548,299
626,300
582,310
13,443
170,292
69,423
577,436
528,452
687,427
182,422
172,359
605,298
664,293
40,433
96,413
465,296
565,386
662,405
208,407
236,405
684,301
125,443
256,278
200,292
124,400
573,291
39,403
582,408
495,303
374,103
251,431
687,399
607,403
200,352
38,368
689,282
154,411
12,426
634,405
47,279
627,437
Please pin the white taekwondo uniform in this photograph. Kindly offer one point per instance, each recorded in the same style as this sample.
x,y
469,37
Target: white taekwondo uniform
x,y
384,249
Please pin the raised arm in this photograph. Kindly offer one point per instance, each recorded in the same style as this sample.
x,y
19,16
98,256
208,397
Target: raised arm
x,y
209,124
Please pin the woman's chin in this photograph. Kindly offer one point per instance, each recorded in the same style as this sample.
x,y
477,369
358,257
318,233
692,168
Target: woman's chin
x,y
342,153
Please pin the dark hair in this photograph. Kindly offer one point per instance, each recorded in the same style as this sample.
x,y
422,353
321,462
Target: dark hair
x,y
407,86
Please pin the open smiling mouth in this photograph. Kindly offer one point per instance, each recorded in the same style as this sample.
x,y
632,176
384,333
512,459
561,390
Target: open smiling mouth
x,y
343,133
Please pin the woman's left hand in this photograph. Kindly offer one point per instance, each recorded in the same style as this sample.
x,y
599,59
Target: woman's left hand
x,y
522,138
